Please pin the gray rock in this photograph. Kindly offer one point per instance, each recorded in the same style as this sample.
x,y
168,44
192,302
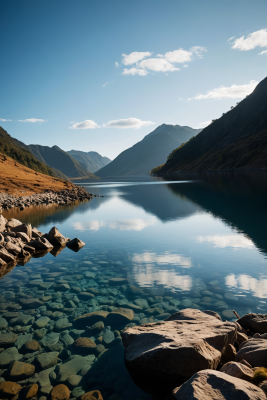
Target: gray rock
x,y
141,303
254,351
41,322
7,339
31,303
3,323
22,320
72,367
74,381
50,339
108,338
44,377
209,384
46,360
62,323
8,356
75,243
23,339
254,322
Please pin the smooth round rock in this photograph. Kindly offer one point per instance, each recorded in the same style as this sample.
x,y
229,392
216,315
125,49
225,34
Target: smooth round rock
x,y
84,344
9,389
60,392
20,371
31,391
93,395
31,346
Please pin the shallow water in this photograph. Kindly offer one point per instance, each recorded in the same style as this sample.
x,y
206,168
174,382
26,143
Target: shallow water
x,y
197,241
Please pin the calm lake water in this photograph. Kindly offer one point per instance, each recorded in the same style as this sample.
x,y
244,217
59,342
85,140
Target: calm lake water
x,y
197,241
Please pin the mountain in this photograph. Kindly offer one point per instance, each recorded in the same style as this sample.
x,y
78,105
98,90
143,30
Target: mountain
x,y
58,159
11,148
149,152
237,140
93,160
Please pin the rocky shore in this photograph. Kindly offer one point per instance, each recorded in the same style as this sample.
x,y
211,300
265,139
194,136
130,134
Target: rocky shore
x,y
66,196
19,242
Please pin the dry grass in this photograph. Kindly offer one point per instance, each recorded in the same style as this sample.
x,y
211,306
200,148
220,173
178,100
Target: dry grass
x,y
17,180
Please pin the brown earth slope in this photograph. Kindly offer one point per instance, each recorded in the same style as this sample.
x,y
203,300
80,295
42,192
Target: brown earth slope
x,y
17,180
237,140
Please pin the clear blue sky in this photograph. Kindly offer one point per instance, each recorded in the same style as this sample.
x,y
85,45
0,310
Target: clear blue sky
x,y
58,65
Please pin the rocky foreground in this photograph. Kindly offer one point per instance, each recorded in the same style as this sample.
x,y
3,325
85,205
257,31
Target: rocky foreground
x,y
62,197
19,242
196,355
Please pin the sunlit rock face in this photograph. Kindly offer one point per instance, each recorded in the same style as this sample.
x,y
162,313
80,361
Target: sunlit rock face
x,y
160,356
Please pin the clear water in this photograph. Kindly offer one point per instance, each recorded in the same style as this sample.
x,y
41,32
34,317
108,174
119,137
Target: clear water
x,y
196,241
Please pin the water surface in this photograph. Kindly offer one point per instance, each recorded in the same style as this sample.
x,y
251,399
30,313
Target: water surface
x,y
194,241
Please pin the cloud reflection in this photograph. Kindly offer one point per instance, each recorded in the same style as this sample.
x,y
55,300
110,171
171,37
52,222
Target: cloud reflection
x,y
136,224
236,241
246,282
164,258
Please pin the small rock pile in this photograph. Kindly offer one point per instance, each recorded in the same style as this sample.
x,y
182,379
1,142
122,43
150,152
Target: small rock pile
x,y
195,355
78,193
19,241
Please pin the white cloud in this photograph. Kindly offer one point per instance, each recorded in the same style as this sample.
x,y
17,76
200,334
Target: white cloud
x,y
263,52
134,57
185,66
245,282
105,84
230,39
253,40
222,241
204,124
5,120
158,65
31,120
178,56
232,92
116,64
128,123
134,71
87,124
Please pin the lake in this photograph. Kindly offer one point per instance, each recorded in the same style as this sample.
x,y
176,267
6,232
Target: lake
x,y
195,241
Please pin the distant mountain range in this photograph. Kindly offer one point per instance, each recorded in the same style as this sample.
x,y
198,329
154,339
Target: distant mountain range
x,y
149,152
11,148
59,160
92,160
237,140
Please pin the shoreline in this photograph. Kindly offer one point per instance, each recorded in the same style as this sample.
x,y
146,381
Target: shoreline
x,y
60,197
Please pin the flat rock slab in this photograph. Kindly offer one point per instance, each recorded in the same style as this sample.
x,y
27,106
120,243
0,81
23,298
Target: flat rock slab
x,y
156,355
254,322
215,385
254,351
72,367
8,356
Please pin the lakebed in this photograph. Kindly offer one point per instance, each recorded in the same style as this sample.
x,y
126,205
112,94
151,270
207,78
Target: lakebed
x,y
172,244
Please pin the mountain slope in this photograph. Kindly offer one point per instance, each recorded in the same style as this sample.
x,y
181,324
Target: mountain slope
x,y
58,159
149,152
237,140
10,147
93,160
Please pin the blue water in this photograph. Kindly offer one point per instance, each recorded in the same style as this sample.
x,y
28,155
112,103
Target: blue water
x,y
195,241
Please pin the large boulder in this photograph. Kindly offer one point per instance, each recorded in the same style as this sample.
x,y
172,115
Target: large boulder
x,y
215,385
159,356
56,238
12,223
25,228
5,255
75,244
254,351
41,244
238,370
254,322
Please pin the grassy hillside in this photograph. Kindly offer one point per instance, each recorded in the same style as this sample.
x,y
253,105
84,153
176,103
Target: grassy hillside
x,y
149,152
10,148
237,140
93,160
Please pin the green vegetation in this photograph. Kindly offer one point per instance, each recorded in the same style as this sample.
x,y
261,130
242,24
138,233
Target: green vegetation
x,y
10,148
156,170
259,375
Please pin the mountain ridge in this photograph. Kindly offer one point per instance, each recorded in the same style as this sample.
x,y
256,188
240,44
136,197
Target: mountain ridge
x,y
153,148
91,159
237,140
